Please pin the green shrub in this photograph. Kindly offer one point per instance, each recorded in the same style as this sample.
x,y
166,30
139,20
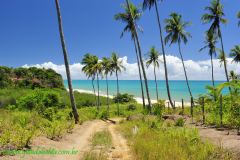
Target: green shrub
x,y
180,122
22,136
103,114
17,132
55,130
29,101
124,98
87,100
131,107
50,113
51,99
157,109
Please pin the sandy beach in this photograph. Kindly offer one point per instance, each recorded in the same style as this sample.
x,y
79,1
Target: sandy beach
x,y
138,99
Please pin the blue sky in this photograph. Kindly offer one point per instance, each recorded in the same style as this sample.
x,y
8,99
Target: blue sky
x,y
29,33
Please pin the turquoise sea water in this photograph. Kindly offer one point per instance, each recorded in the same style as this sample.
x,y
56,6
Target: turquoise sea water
x,y
178,88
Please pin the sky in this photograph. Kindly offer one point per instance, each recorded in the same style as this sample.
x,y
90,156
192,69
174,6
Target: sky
x,y
29,33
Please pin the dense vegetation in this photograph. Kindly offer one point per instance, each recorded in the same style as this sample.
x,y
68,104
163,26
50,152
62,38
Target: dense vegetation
x,y
29,78
27,113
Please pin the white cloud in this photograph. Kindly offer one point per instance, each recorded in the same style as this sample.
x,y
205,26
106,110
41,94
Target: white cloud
x,y
196,70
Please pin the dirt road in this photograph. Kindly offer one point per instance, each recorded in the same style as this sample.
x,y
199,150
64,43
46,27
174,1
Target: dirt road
x,y
79,140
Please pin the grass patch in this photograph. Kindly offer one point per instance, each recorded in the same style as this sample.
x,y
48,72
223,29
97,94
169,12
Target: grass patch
x,y
95,156
168,142
102,138
101,142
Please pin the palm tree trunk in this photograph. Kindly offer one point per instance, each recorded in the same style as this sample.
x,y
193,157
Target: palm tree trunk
x,y
142,64
117,94
156,82
73,104
94,91
224,62
140,74
189,90
144,75
98,91
107,93
213,83
164,55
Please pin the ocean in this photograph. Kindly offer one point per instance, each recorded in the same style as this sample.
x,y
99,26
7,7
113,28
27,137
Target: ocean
x,y
178,88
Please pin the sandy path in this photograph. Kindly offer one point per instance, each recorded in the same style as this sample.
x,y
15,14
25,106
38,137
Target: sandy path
x,y
120,150
78,140
226,139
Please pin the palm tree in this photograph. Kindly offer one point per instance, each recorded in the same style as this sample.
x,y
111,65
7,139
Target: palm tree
x,y
130,14
215,17
106,69
210,43
97,70
238,16
124,17
149,4
175,28
233,76
153,56
235,54
89,61
117,67
65,55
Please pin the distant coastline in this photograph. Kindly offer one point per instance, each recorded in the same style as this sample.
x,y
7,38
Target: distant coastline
x,y
178,88
138,99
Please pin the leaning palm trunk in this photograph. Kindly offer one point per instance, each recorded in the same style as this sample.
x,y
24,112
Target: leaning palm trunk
x,y
156,82
144,75
140,74
224,62
185,72
94,91
213,83
98,99
73,104
107,93
164,56
117,94
141,61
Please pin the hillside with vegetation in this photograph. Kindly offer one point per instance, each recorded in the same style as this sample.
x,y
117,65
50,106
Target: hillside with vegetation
x,y
29,78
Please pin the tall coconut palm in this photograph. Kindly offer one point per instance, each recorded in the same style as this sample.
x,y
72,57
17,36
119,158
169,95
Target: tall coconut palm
x,y
215,16
176,33
124,17
65,55
210,43
238,16
117,67
235,54
130,14
97,70
233,76
153,59
106,69
149,4
89,61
